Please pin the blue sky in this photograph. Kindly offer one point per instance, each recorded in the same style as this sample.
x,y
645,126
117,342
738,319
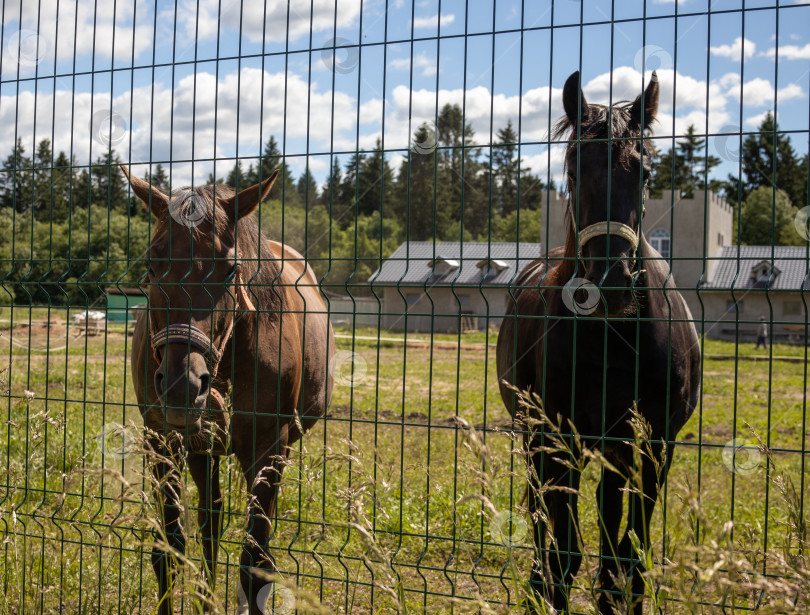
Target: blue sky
x,y
155,69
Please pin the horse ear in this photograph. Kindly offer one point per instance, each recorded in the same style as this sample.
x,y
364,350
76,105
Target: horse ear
x,y
650,101
153,198
249,198
572,95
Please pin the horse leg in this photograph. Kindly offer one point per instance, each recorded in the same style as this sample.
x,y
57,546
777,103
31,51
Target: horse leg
x,y
205,472
168,497
641,506
263,475
609,500
561,561
564,556
538,579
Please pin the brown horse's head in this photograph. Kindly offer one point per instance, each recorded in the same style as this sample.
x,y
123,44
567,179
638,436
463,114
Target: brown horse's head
x,y
608,164
195,286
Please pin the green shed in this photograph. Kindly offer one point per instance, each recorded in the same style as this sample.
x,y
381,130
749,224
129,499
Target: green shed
x,y
121,301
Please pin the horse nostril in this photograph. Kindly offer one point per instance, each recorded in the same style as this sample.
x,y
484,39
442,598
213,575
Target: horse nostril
x,y
204,383
159,383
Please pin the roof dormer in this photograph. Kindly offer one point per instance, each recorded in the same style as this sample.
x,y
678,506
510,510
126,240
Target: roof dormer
x,y
442,265
491,267
761,273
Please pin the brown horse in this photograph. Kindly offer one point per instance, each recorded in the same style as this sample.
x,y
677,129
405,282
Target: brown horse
x,y
598,329
227,309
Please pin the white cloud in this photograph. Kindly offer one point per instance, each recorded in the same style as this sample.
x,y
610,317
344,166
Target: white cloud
x,y
757,92
268,20
179,124
733,51
756,120
206,121
790,52
430,22
421,61
110,28
552,159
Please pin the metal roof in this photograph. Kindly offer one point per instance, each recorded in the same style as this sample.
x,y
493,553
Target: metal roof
x,y
790,264
410,264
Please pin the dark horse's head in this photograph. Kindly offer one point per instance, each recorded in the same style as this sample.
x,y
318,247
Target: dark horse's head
x,y
608,164
195,286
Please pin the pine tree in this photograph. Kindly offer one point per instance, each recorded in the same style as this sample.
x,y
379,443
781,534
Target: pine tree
x,y
107,184
505,169
159,179
307,189
284,185
768,159
375,182
16,179
62,175
684,168
670,172
331,189
43,172
343,212
213,180
697,165
82,190
511,177
421,208
236,178
461,181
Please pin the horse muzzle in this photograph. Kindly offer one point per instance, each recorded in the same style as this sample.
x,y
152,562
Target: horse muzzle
x,y
183,391
615,295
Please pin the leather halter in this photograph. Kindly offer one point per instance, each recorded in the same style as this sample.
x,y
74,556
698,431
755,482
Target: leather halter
x,y
190,335
187,334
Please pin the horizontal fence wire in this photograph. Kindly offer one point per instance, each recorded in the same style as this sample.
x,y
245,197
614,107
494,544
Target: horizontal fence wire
x,y
388,306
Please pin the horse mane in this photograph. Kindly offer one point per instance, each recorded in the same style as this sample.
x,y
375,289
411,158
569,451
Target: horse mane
x,y
603,123
259,267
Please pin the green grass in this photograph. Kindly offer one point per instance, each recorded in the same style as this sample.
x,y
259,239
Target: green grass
x,y
389,457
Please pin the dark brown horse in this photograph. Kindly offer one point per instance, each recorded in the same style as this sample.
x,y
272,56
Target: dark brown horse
x,y
597,329
227,309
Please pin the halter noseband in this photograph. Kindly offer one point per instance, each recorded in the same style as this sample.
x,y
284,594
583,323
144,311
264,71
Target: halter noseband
x,y
187,334
608,228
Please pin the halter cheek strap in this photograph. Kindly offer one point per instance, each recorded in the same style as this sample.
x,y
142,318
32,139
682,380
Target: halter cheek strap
x,y
242,295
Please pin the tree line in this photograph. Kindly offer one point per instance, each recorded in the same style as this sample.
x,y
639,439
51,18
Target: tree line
x,y
78,229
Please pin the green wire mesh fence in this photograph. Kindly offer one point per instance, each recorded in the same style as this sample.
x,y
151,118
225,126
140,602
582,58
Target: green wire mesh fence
x,y
225,225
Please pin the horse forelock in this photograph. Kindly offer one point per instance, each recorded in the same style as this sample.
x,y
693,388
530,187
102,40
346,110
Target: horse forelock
x,y
605,123
197,210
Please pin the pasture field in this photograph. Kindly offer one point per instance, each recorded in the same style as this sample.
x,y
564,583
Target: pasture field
x,y
406,497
